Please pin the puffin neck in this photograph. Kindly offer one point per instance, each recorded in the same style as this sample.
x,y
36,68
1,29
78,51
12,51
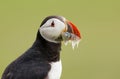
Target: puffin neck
x,y
50,50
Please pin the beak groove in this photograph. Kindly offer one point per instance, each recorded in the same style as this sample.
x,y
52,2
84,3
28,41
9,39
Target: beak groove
x,y
73,29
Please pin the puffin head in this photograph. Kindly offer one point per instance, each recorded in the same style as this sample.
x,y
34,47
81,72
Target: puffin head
x,y
57,28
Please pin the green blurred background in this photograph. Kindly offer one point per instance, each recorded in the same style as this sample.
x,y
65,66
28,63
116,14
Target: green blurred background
x,y
98,54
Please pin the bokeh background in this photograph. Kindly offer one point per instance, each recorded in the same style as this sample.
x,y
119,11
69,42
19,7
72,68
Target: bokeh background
x,y
98,54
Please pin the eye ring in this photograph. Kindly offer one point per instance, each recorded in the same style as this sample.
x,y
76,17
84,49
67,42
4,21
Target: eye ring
x,y
52,24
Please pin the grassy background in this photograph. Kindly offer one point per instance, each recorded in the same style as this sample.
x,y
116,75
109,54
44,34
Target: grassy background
x,y
98,54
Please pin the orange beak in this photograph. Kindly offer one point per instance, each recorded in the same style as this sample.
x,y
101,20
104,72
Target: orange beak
x,y
73,29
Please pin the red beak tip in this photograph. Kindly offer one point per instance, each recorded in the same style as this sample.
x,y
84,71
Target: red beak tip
x,y
75,29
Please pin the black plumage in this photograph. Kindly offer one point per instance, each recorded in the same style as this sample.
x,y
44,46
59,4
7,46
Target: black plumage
x,y
34,63
42,59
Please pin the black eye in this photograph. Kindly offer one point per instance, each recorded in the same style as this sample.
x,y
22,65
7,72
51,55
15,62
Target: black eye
x,y
52,24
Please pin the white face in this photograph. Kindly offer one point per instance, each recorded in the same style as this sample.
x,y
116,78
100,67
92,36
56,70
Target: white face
x,y
52,29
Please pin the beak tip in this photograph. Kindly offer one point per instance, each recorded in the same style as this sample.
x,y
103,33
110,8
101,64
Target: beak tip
x,y
74,29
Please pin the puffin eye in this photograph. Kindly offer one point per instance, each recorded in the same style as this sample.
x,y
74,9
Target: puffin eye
x,y
52,24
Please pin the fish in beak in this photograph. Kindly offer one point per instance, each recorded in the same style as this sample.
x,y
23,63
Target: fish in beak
x,y
71,34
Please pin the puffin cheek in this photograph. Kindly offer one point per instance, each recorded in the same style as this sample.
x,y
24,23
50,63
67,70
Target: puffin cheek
x,y
49,33
52,32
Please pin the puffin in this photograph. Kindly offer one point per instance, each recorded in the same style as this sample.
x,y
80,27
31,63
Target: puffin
x,y
42,59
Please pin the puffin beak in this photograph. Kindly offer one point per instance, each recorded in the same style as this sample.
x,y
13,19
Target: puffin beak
x,y
72,34
71,28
